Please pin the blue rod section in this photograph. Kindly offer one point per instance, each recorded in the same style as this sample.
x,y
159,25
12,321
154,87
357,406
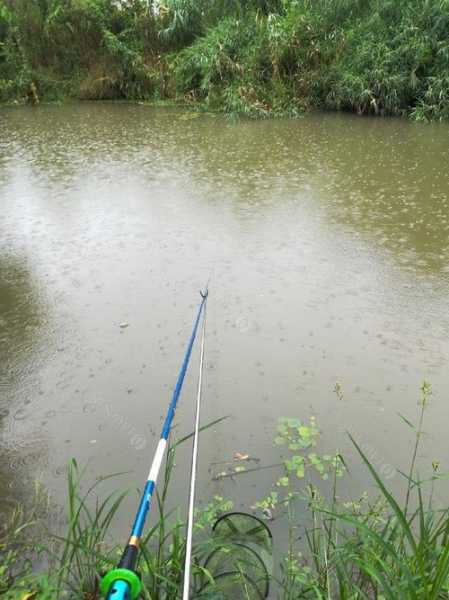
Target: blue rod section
x,y
171,410
120,590
143,509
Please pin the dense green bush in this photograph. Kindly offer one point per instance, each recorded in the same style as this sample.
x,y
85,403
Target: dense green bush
x,y
379,57
257,56
91,48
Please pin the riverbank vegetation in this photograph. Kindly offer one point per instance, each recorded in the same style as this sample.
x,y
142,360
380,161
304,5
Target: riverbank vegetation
x,y
259,57
389,547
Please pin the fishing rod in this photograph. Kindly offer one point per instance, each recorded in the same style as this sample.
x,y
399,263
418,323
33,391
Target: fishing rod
x,y
123,582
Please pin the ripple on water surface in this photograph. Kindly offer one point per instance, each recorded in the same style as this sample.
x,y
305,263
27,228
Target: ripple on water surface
x,y
328,242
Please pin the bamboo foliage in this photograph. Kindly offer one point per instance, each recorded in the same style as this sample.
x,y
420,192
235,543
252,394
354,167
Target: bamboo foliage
x,y
261,57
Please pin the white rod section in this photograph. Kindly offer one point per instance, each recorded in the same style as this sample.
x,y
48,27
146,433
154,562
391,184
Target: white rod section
x,y
188,561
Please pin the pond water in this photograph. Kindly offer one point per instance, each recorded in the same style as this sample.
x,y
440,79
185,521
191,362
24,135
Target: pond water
x,y
327,243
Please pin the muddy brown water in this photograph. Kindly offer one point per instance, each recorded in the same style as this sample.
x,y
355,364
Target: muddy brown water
x,y
327,242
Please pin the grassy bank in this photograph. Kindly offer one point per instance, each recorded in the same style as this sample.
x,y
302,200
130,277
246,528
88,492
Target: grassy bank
x,y
258,57
387,547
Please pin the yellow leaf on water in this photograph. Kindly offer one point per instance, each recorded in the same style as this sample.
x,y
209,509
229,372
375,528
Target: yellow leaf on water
x,y
240,456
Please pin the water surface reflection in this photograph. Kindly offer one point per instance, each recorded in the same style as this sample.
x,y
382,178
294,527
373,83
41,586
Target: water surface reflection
x,y
327,240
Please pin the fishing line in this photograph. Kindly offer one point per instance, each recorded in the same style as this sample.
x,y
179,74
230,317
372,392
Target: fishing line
x,y
193,472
